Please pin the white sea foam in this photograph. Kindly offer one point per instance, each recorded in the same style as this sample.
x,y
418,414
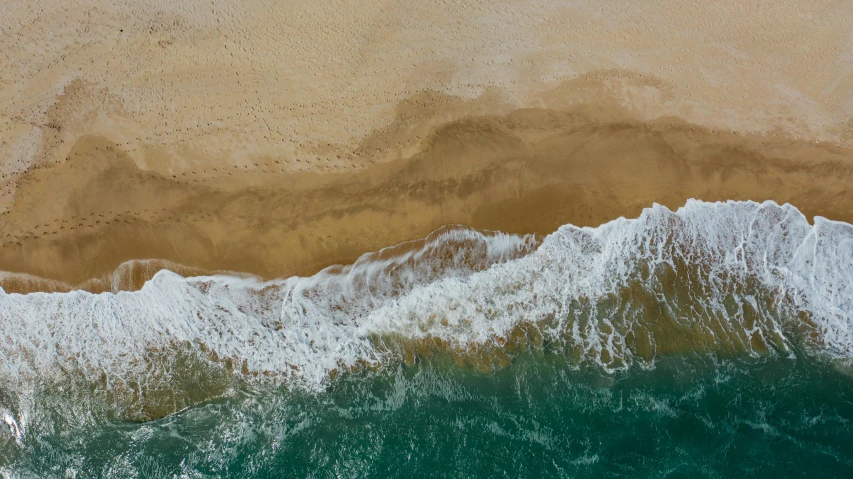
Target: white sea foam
x,y
17,430
741,271
302,326
576,277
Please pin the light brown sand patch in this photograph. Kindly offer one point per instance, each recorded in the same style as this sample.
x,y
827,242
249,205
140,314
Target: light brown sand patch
x,y
194,84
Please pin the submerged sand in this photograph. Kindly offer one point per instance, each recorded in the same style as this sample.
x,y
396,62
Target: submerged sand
x,y
275,140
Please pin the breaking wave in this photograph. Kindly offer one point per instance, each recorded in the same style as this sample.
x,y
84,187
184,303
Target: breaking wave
x,y
733,278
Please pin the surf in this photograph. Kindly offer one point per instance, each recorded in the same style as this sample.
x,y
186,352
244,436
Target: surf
x,y
728,279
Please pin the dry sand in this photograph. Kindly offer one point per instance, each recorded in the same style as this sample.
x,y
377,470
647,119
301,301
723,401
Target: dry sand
x,y
274,139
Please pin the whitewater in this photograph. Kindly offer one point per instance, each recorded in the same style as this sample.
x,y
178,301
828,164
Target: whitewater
x,y
753,275
544,349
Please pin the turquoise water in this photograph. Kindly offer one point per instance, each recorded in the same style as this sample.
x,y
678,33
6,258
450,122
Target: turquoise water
x,y
713,341
536,418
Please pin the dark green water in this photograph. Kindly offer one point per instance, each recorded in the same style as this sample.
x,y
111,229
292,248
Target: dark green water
x,y
536,418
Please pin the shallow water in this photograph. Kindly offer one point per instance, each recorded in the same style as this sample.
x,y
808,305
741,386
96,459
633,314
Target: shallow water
x,y
712,341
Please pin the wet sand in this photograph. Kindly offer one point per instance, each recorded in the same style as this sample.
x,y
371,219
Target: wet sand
x,y
527,171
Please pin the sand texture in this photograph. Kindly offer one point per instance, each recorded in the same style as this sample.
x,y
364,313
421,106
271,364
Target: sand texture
x,y
276,138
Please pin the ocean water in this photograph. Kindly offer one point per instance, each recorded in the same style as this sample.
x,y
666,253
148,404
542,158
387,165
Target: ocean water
x,y
711,341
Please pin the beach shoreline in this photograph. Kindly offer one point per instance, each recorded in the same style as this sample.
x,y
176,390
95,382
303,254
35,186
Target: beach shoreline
x,y
254,139
526,171
468,238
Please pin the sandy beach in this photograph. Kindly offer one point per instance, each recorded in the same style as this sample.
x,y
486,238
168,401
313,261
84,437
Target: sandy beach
x,y
274,140
453,238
